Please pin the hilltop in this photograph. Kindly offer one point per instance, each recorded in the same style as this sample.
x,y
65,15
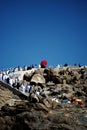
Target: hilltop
x,y
57,101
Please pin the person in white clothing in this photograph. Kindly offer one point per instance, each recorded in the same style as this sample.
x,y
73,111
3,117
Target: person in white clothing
x,y
11,81
4,77
28,87
22,88
0,75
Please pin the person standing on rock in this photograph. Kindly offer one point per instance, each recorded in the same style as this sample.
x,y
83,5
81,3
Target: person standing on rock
x,y
4,78
22,87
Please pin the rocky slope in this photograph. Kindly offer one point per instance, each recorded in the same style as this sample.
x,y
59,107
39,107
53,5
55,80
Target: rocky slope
x,y
42,112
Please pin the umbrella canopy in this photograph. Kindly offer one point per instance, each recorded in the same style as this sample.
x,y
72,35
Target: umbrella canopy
x,y
43,63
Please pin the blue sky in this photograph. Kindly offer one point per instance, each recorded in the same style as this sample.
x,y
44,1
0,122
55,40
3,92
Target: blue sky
x,y
32,30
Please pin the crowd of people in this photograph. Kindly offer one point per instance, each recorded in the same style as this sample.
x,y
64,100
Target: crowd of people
x,y
13,81
7,77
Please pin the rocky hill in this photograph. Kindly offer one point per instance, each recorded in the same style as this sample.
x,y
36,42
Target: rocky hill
x,y
58,101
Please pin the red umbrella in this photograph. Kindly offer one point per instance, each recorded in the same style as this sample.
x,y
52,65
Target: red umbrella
x,y
43,63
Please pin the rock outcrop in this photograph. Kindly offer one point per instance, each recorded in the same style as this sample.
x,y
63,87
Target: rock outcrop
x,y
58,100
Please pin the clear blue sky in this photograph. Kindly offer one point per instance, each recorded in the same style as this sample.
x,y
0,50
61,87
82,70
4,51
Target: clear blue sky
x,y
32,30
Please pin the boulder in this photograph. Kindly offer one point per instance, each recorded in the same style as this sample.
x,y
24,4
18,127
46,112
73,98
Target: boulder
x,y
68,95
51,75
50,84
39,71
45,93
26,77
47,102
54,104
42,107
67,91
37,78
57,79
